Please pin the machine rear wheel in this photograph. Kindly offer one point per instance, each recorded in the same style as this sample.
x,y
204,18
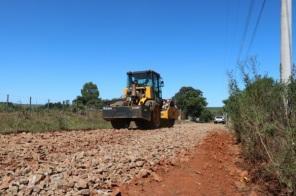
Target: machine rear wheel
x,y
154,123
167,123
120,123
155,118
142,124
171,122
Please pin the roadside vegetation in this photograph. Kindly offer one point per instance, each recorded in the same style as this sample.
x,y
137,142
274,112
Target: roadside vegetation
x,y
263,115
216,111
83,114
193,104
53,120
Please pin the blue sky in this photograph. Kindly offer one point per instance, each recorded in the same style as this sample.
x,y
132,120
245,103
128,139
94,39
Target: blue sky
x,y
50,48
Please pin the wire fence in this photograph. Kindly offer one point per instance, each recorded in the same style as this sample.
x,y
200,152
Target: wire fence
x,y
26,100
19,113
10,103
13,103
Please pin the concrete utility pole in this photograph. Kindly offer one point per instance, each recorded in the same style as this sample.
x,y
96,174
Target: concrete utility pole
x,y
286,40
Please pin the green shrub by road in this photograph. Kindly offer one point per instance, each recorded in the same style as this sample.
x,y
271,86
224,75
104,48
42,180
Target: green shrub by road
x,y
263,115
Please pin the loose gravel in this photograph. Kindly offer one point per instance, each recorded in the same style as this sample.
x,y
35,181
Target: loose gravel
x,y
90,162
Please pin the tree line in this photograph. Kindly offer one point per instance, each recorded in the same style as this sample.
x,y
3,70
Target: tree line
x,y
189,100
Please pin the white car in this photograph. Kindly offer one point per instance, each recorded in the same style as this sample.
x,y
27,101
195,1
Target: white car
x,y
219,119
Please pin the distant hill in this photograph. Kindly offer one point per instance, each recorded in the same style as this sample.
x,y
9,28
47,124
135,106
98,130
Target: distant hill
x,y
216,110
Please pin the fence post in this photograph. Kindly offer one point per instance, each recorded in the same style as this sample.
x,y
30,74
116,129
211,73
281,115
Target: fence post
x,y
7,99
7,102
30,103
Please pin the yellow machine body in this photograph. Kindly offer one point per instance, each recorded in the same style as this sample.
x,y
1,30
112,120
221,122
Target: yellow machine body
x,y
166,114
142,103
147,96
170,113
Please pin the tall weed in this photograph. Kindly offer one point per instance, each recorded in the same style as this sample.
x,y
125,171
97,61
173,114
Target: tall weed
x,y
263,115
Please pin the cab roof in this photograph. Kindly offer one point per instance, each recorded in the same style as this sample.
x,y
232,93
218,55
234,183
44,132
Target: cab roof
x,y
143,72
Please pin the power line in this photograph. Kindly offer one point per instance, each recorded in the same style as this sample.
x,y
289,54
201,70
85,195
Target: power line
x,y
256,26
227,33
247,25
231,36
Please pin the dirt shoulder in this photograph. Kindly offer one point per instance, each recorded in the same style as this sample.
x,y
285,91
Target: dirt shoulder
x,y
213,169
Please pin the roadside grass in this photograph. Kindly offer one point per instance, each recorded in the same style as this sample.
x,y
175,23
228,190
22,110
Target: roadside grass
x,y
50,120
263,116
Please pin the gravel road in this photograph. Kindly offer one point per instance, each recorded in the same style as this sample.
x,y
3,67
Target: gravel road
x,y
90,162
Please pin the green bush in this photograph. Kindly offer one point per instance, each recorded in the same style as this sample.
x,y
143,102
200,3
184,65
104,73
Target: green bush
x,y
263,116
216,111
206,116
191,101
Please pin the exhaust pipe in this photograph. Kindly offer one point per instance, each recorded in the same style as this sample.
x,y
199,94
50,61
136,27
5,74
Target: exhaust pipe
x,y
134,90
